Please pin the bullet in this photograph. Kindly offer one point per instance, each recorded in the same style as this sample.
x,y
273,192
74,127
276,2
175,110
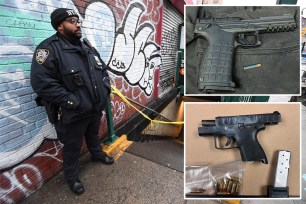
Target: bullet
x,y
252,66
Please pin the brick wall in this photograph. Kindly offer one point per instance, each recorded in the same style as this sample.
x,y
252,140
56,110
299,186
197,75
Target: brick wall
x,y
126,33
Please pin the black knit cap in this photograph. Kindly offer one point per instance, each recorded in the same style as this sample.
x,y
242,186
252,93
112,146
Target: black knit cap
x,y
60,14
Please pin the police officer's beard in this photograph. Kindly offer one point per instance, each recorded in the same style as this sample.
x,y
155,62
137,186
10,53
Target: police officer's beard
x,y
72,36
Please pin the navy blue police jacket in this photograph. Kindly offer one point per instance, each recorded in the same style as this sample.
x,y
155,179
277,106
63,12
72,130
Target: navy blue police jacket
x,y
73,77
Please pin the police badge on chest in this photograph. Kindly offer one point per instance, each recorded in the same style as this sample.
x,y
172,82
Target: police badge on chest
x,y
98,61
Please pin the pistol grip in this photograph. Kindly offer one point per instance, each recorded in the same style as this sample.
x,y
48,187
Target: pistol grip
x,y
215,72
250,149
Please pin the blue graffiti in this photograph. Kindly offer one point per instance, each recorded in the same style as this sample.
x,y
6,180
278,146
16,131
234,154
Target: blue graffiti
x,y
23,126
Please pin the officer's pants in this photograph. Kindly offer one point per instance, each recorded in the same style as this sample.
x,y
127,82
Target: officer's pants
x,y
71,135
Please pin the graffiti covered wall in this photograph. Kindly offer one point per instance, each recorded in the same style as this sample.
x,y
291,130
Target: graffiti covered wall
x,y
127,35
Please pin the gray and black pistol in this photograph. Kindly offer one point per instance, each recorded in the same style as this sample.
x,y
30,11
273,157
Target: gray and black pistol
x,y
223,36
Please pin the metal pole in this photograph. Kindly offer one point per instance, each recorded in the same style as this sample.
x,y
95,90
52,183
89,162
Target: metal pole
x,y
110,123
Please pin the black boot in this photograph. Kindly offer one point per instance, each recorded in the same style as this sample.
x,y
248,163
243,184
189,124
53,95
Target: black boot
x,y
104,159
76,186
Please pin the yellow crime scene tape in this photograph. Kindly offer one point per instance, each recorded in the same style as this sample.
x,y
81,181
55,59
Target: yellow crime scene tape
x,y
116,91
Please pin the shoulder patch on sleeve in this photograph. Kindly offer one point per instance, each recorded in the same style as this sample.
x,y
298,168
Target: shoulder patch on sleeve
x,y
42,55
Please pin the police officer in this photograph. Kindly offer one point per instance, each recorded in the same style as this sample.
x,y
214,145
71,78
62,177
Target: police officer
x,y
70,74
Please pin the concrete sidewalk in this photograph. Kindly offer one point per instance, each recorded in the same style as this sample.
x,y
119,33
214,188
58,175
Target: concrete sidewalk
x,y
130,179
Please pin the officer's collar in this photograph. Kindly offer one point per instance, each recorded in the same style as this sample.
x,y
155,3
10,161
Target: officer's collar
x,y
66,45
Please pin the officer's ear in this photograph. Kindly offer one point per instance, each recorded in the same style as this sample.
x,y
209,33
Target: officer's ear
x,y
60,27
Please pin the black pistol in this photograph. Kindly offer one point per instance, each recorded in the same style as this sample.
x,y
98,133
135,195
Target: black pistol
x,y
243,130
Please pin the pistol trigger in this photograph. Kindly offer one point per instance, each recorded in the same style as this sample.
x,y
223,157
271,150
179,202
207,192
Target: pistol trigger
x,y
229,141
258,42
240,41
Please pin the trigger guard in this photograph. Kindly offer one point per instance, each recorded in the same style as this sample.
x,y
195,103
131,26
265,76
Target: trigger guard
x,y
218,147
241,36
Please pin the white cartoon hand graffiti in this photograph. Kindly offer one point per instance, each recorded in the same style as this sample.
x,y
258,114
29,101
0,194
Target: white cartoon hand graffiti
x,y
135,57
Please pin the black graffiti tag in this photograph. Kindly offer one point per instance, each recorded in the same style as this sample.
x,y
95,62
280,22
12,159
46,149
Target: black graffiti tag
x,y
20,23
118,64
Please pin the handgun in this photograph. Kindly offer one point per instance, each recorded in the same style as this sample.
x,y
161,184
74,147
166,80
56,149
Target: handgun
x,y
243,130
223,36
